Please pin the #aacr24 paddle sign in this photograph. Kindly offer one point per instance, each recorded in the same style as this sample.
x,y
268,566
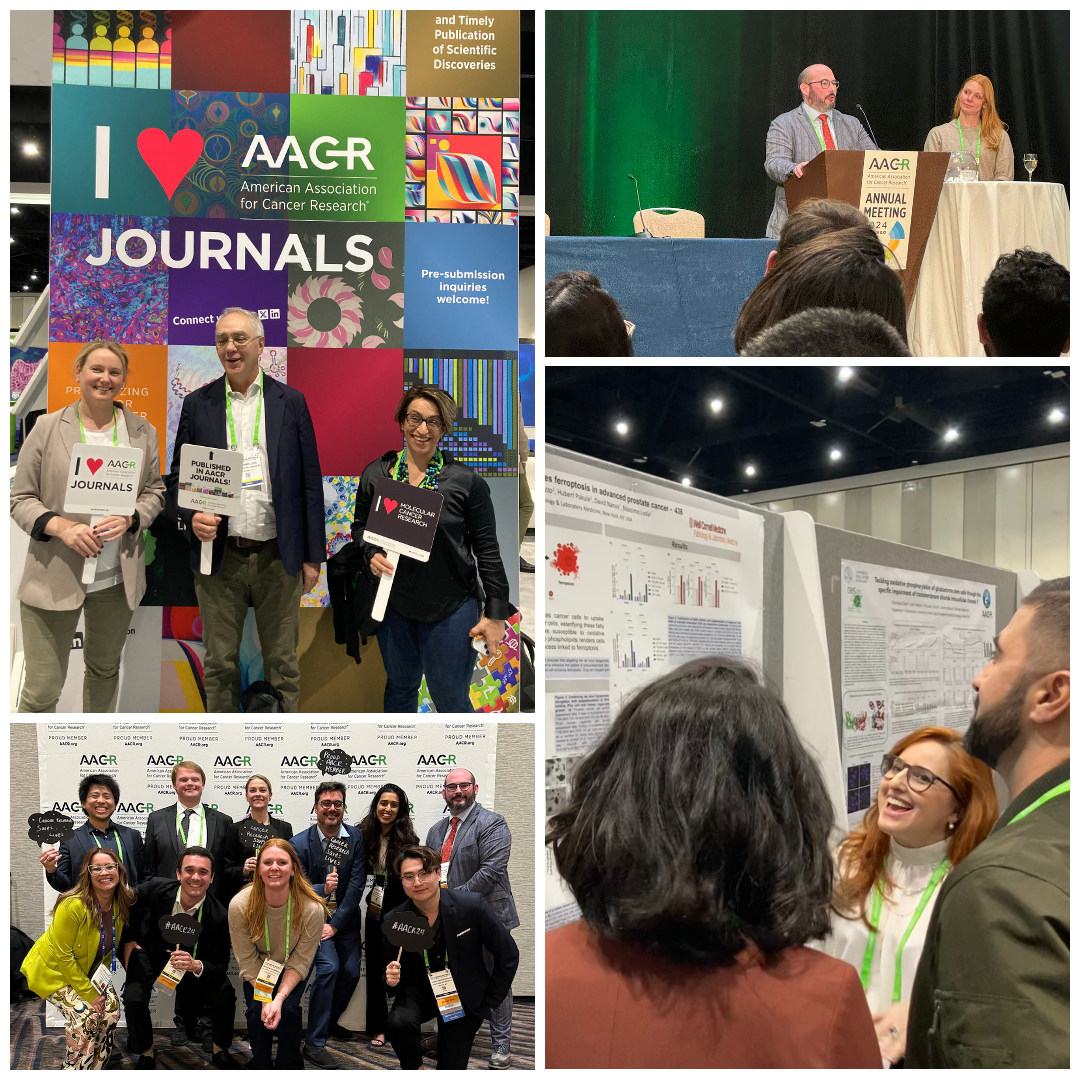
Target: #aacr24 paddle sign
x,y
409,932
180,929
210,481
402,520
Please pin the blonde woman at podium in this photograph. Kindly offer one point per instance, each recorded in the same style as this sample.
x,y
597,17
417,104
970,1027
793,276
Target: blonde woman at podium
x,y
977,129
52,593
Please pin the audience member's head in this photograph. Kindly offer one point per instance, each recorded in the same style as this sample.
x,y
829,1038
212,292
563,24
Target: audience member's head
x,y
812,218
844,269
1025,306
828,332
581,319
702,774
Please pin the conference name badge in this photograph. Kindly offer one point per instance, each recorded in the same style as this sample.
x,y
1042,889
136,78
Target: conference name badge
x,y
252,475
169,979
375,900
267,979
443,872
102,978
446,995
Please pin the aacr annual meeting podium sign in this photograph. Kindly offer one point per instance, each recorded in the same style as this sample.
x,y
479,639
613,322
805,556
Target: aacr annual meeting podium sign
x,y
281,162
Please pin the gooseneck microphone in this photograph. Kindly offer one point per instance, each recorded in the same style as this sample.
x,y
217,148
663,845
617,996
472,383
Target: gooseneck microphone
x,y
870,129
641,213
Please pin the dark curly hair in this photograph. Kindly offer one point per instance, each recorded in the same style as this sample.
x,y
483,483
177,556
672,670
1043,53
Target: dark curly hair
x,y
402,833
581,319
1025,305
700,823
98,780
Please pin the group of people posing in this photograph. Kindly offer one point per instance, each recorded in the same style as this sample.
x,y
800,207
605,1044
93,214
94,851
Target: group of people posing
x,y
266,555
287,906
724,926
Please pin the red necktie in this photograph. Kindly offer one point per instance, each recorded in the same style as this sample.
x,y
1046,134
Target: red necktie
x,y
448,843
826,133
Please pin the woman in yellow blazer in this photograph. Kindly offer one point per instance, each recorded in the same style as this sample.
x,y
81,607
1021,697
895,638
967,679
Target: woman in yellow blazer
x,y
73,963
52,593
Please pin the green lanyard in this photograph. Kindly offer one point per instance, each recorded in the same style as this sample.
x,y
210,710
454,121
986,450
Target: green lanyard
x,y
1053,793
288,930
978,140
116,837
178,904
875,918
445,962
820,137
258,415
202,825
82,431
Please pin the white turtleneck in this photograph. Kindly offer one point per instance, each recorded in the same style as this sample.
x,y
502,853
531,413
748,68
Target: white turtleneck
x,y
911,870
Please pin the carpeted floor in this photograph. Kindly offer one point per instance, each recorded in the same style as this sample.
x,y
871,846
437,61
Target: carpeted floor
x,y
32,1047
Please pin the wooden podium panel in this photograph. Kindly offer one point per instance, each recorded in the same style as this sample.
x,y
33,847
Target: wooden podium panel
x,y
837,174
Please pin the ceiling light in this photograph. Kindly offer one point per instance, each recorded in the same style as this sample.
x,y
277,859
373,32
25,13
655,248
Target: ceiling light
x,y
750,470
951,435
622,427
686,481
844,374
14,209
1056,415
26,288
30,149
33,277
835,454
716,404
818,423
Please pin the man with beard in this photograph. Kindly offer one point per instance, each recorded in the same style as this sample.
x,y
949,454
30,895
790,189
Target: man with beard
x,y
992,988
474,845
796,137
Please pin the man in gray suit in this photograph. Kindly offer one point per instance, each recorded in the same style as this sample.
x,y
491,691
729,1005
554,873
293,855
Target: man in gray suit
x,y
796,137
475,848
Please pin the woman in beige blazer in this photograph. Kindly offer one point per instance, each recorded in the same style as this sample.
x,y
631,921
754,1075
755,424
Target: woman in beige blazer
x,y
51,592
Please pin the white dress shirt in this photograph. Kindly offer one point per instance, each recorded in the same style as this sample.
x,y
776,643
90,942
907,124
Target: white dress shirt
x,y
255,517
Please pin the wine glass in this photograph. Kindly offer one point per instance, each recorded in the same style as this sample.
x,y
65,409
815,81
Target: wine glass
x,y
1030,162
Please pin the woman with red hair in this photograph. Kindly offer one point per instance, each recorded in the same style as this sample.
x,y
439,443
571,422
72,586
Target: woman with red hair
x,y
934,806
976,128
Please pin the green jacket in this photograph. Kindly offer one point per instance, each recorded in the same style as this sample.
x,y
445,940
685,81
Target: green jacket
x,y
66,954
992,988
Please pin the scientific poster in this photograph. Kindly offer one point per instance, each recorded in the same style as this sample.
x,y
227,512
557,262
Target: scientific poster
x,y
911,645
638,579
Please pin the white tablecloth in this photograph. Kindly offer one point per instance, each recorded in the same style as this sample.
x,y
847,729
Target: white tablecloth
x,y
975,224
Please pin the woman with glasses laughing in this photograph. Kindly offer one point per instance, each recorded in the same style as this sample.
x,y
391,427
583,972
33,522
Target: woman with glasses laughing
x,y
436,608
935,805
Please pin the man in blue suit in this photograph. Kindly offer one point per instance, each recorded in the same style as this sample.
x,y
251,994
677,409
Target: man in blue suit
x,y
98,796
796,137
266,555
337,962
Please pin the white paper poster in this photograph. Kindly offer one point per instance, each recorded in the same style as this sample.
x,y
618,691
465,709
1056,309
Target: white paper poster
x,y
911,645
638,579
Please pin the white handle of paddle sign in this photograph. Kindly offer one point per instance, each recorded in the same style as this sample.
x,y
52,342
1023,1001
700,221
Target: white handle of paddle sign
x,y
206,557
386,582
89,570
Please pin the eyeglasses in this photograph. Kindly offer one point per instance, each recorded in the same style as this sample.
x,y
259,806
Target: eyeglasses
x,y
456,787
826,83
408,879
102,868
239,338
414,420
919,779
331,805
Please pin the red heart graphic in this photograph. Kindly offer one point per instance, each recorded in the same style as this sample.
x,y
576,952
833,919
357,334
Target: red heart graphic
x,y
93,464
170,161
390,504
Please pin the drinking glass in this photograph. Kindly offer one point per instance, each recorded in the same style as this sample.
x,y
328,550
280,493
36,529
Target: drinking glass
x,y
1030,162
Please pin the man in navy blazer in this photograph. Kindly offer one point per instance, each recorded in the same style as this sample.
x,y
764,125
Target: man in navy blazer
x,y
267,554
467,934
336,970
795,138
98,796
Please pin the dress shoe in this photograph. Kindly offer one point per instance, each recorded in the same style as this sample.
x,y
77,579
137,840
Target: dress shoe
x,y
343,1034
179,1037
320,1057
146,1061
500,1058
525,567
224,1060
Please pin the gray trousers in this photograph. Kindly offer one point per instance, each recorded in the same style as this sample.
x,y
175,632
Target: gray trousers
x,y
499,1024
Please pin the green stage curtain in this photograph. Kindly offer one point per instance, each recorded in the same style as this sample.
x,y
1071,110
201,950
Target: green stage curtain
x,y
683,99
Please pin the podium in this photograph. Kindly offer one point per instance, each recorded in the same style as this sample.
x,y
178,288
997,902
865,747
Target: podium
x,y
837,174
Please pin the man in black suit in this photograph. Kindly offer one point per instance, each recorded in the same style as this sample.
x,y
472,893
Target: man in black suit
x,y
183,823
205,998
464,927
98,796
267,554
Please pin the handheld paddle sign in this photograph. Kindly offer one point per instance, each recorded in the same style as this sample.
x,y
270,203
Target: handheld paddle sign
x,y
210,481
102,481
254,834
180,930
409,932
402,520
50,827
